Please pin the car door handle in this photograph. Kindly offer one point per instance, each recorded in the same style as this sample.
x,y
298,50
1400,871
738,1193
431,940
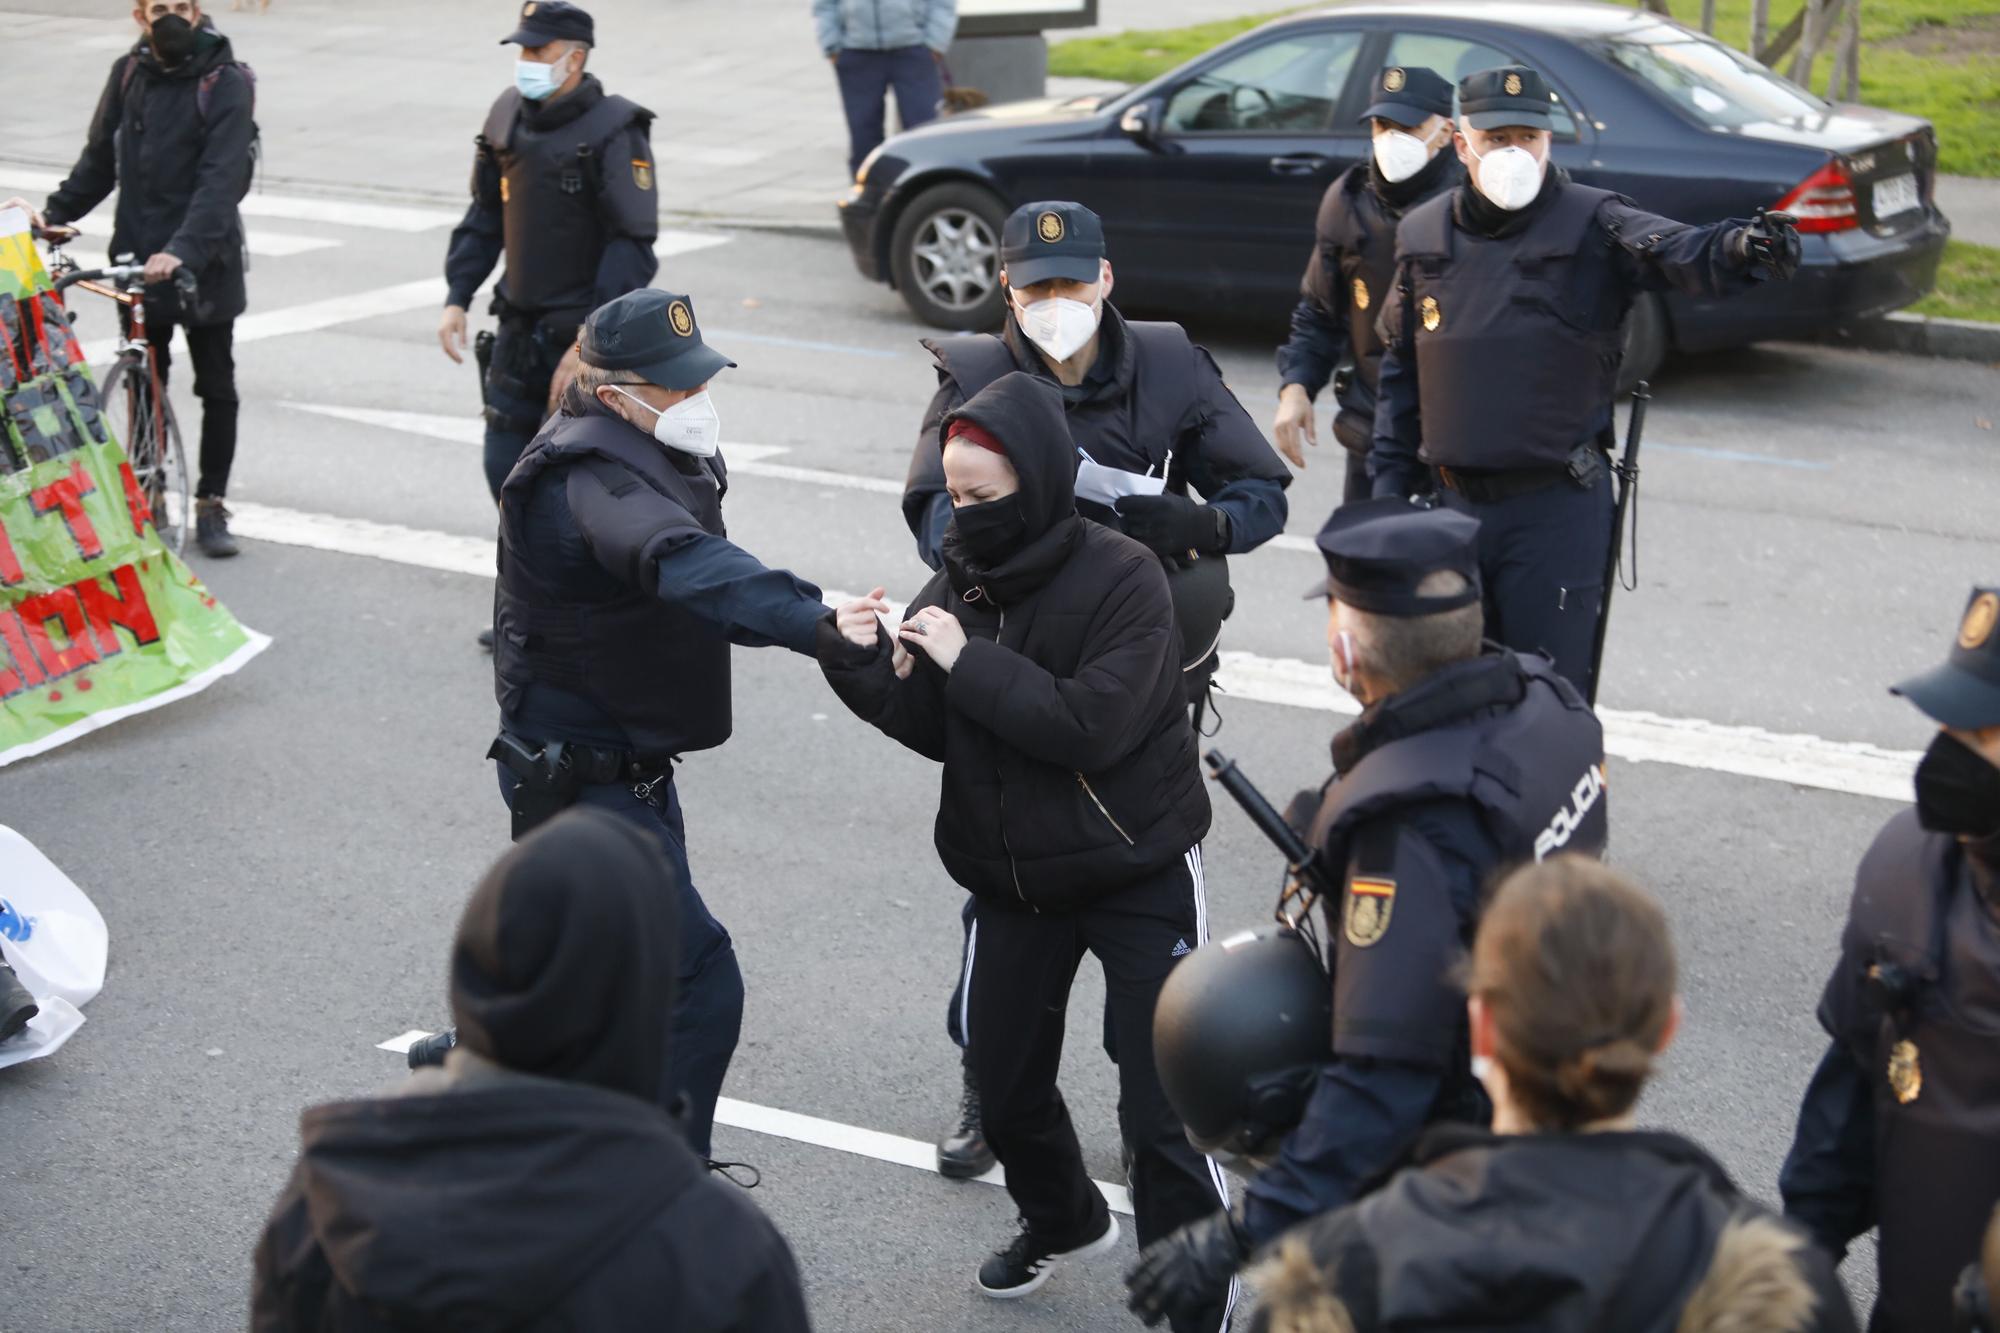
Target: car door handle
x,y
1298,164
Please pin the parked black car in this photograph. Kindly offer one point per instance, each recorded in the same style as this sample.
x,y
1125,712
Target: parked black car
x,y
1208,178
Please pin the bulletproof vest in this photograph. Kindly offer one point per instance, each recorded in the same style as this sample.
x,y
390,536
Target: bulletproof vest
x,y
1929,1005
548,201
1363,239
1535,772
659,671
1517,352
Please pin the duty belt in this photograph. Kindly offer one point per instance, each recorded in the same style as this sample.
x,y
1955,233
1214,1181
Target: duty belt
x,y
1493,487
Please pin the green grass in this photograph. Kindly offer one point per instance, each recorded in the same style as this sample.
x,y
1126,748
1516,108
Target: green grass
x,y
1939,59
1968,284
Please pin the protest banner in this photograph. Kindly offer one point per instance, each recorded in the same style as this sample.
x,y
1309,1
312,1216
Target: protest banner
x,y
98,620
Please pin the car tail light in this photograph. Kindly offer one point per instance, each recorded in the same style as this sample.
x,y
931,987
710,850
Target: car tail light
x,y
1823,201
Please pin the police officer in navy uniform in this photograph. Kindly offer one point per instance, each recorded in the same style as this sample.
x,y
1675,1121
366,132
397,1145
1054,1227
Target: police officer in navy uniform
x,y
1900,1127
618,599
1502,341
562,181
1467,758
1139,397
1353,261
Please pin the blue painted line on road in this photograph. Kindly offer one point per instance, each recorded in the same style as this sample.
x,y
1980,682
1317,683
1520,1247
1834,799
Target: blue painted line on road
x,y
1742,456
805,344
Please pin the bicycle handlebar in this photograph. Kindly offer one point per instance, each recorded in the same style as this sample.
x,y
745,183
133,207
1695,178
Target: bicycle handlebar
x,y
128,275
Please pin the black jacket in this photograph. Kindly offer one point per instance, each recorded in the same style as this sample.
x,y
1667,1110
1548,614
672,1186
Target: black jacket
x,y
1563,1233
483,1199
1069,765
178,172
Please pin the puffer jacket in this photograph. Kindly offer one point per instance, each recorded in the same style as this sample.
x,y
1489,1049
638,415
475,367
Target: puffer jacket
x,y
1069,764
884,25
1564,1233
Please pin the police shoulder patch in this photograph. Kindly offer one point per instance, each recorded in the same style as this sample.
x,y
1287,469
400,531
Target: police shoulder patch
x,y
1977,627
642,173
1369,904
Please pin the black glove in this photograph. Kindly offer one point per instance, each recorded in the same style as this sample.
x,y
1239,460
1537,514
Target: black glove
x,y
1173,524
1770,243
1187,1272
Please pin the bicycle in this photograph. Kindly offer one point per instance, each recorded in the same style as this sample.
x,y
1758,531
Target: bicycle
x,y
134,391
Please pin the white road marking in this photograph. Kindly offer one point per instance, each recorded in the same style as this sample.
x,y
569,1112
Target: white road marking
x,y
807,1129
1851,768
675,242
258,204
266,244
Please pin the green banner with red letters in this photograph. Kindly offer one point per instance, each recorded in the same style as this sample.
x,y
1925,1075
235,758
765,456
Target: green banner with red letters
x,y
98,620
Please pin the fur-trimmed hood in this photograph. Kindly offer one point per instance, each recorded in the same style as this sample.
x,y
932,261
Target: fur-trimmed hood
x,y
1571,1233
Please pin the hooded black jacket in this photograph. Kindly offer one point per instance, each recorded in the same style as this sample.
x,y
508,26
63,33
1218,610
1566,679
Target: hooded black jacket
x,y
178,173
1563,1233
483,1199
1069,765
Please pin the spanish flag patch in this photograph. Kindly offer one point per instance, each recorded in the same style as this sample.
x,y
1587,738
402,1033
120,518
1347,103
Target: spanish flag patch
x,y
1369,903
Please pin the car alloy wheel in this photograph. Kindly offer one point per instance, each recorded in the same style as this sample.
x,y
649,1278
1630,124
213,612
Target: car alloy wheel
x,y
957,259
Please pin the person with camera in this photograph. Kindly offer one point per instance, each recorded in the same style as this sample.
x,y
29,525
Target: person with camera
x,y
563,186
1564,1217
1040,668
1467,758
1900,1127
534,1182
173,134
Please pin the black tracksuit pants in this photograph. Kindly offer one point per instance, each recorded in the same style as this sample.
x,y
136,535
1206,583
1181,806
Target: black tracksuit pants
x,y
1020,968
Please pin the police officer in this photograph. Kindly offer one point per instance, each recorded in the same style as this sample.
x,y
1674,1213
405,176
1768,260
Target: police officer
x,y
1353,260
1139,398
562,181
1502,342
617,602
1900,1128
1467,758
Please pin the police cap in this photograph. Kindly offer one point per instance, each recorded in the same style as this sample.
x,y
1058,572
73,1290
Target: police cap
x,y
1051,239
545,21
1409,95
1965,691
1510,95
1378,551
652,334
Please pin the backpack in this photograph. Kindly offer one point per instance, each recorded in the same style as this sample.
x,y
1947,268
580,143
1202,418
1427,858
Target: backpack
x,y
204,94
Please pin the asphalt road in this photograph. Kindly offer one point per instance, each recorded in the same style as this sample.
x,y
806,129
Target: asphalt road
x,y
282,858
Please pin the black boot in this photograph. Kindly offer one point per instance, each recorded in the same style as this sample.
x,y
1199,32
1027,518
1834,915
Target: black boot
x,y
432,1050
17,1006
211,529
964,1153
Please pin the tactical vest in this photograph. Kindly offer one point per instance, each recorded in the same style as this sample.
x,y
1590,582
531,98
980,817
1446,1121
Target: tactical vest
x,y
659,671
1535,772
1517,351
1923,949
555,233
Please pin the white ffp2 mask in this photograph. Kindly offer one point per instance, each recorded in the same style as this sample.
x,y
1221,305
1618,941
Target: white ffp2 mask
x,y
1059,326
691,426
1510,177
1399,156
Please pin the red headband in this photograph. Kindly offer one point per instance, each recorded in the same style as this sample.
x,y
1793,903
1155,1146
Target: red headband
x,y
973,433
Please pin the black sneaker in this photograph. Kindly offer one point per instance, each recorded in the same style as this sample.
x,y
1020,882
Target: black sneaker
x,y
432,1050
211,529
1025,1265
486,638
963,1154
17,1006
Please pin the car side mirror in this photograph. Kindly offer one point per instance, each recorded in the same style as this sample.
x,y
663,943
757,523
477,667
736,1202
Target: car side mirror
x,y
1141,122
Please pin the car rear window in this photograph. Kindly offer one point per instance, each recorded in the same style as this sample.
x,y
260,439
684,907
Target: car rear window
x,y
1719,87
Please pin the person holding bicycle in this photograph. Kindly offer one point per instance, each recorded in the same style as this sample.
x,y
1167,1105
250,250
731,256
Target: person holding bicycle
x,y
173,134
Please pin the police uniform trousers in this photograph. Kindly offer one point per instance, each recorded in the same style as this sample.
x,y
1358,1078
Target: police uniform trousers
x,y
708,998
1020,967
1541,558
517,393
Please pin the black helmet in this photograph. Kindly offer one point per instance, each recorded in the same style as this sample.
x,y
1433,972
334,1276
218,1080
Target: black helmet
x,y
1239,1034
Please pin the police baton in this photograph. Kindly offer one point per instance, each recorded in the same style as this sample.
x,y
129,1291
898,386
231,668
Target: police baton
x,y
1303,879
1627,470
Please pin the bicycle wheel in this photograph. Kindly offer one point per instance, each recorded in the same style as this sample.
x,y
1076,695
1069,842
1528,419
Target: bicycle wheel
x,y
153,444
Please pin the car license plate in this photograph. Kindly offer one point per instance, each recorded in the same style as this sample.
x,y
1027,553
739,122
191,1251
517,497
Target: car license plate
x,y
1896,195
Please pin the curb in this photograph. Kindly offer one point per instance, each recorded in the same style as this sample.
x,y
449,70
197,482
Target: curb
x,y
1924,335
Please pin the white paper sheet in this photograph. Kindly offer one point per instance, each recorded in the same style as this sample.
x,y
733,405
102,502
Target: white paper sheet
x,y
1108,485
45,1034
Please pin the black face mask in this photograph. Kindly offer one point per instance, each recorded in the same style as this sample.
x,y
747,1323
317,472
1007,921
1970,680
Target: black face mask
x,y
1958,790
173,38
992,531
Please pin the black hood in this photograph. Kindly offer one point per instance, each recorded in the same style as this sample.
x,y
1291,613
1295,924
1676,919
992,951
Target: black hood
x,y
565,959
1025,413
482,1206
